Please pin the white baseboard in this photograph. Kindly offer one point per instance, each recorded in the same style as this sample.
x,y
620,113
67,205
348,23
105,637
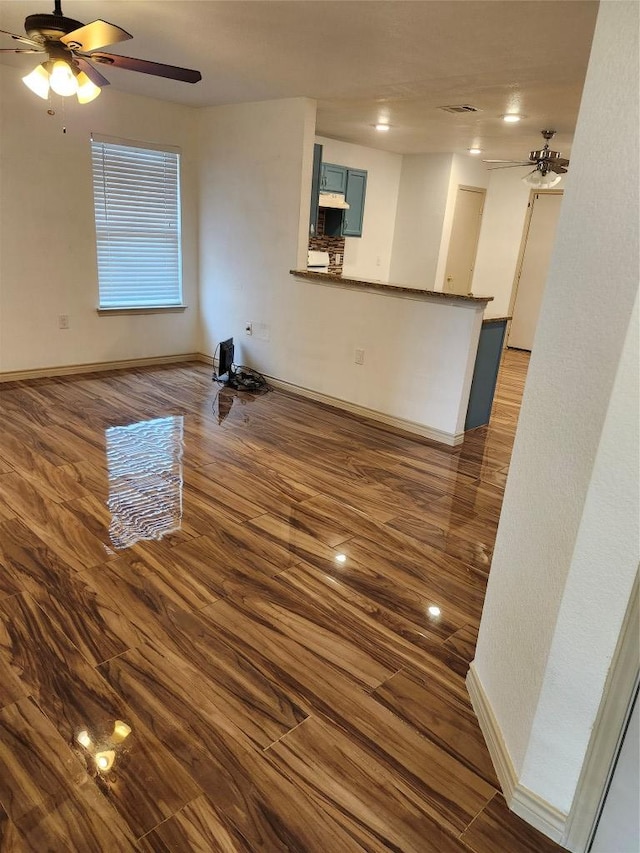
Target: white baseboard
x,y
498,751
524,802
452,439
96,367
539,813
412,427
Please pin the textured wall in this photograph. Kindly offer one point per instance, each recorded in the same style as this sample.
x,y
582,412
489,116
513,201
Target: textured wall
x,y
560,580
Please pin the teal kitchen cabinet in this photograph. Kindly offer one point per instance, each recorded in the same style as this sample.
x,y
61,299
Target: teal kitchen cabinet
x,y
333,179
348,223
354,196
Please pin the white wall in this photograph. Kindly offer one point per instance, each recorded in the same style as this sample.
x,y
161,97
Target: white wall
x,y
503,220
369,256
419,355
466,171
503,223
255,178
567,548
595,596
47,237
422,204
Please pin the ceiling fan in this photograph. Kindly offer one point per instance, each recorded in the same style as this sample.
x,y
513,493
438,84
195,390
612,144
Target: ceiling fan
x,y
72,47
549,165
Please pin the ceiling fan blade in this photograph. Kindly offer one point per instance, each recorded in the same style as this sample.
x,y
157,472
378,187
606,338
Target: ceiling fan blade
x,y
510,166
94,35
561,161
20,50
21,38
512,162
558,169
172,72
92,73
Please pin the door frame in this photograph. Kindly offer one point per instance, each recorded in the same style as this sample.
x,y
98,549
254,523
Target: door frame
x,y
483,192
522,250
607,733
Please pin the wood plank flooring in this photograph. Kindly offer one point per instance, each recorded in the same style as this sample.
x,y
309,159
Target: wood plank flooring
x,y
242,623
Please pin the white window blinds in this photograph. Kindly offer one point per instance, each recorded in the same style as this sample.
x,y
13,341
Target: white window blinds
x,y
136,194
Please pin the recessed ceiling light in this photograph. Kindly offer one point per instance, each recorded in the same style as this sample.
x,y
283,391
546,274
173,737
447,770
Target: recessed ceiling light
x,y
382,127
511,118
475,151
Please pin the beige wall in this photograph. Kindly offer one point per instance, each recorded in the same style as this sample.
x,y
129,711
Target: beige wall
x,y
47,238
420,216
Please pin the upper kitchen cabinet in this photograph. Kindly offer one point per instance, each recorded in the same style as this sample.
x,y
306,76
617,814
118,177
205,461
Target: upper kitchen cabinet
x,y
354,196
333,179
347,223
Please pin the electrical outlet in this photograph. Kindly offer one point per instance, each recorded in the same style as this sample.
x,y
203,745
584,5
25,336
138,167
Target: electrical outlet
x,y
63,321
359,359
248,328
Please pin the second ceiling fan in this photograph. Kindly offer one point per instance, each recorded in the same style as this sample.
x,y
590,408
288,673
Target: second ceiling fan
x,y
549,165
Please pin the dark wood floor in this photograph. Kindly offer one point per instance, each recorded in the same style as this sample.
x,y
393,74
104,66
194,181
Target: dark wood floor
x,y
237,624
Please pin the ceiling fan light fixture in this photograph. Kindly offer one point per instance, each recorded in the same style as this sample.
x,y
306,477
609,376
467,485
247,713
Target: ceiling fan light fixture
x,y
541,181
87,91
38,82
62,79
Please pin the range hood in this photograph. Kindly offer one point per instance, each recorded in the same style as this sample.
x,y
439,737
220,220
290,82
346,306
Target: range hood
x,y
333,200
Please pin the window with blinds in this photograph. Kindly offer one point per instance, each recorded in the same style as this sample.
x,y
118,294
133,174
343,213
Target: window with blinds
x,y
136,191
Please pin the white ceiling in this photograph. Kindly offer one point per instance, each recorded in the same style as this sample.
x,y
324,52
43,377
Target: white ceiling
x,y
361,60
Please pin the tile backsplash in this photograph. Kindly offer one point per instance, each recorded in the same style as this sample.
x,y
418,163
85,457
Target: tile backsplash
x,y
323,243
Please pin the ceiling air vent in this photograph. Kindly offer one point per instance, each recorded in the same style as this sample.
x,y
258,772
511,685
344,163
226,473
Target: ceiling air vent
x,y
460,108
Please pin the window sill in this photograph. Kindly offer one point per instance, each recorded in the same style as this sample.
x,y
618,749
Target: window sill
x,y
158,309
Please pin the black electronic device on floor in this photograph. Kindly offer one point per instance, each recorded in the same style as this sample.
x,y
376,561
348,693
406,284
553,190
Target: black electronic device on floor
x,y
225,361
241,378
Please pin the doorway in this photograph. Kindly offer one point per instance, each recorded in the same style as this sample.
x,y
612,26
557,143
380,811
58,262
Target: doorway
x,y
535,256
618,825
463,245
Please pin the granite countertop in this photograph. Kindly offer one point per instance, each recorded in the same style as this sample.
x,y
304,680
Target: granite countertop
x,y
387,288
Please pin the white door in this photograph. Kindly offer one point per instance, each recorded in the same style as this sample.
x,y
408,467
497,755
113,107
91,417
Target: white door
x,y
463,245
534,267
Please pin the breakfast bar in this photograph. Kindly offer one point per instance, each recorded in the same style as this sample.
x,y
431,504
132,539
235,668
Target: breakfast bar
x,y
388,288
418,380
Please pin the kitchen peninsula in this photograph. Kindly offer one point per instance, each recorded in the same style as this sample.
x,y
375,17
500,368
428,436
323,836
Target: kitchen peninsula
x,y
399,355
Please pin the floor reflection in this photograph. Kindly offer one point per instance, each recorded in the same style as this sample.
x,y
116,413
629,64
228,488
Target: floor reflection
x,y
226,397
145,479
